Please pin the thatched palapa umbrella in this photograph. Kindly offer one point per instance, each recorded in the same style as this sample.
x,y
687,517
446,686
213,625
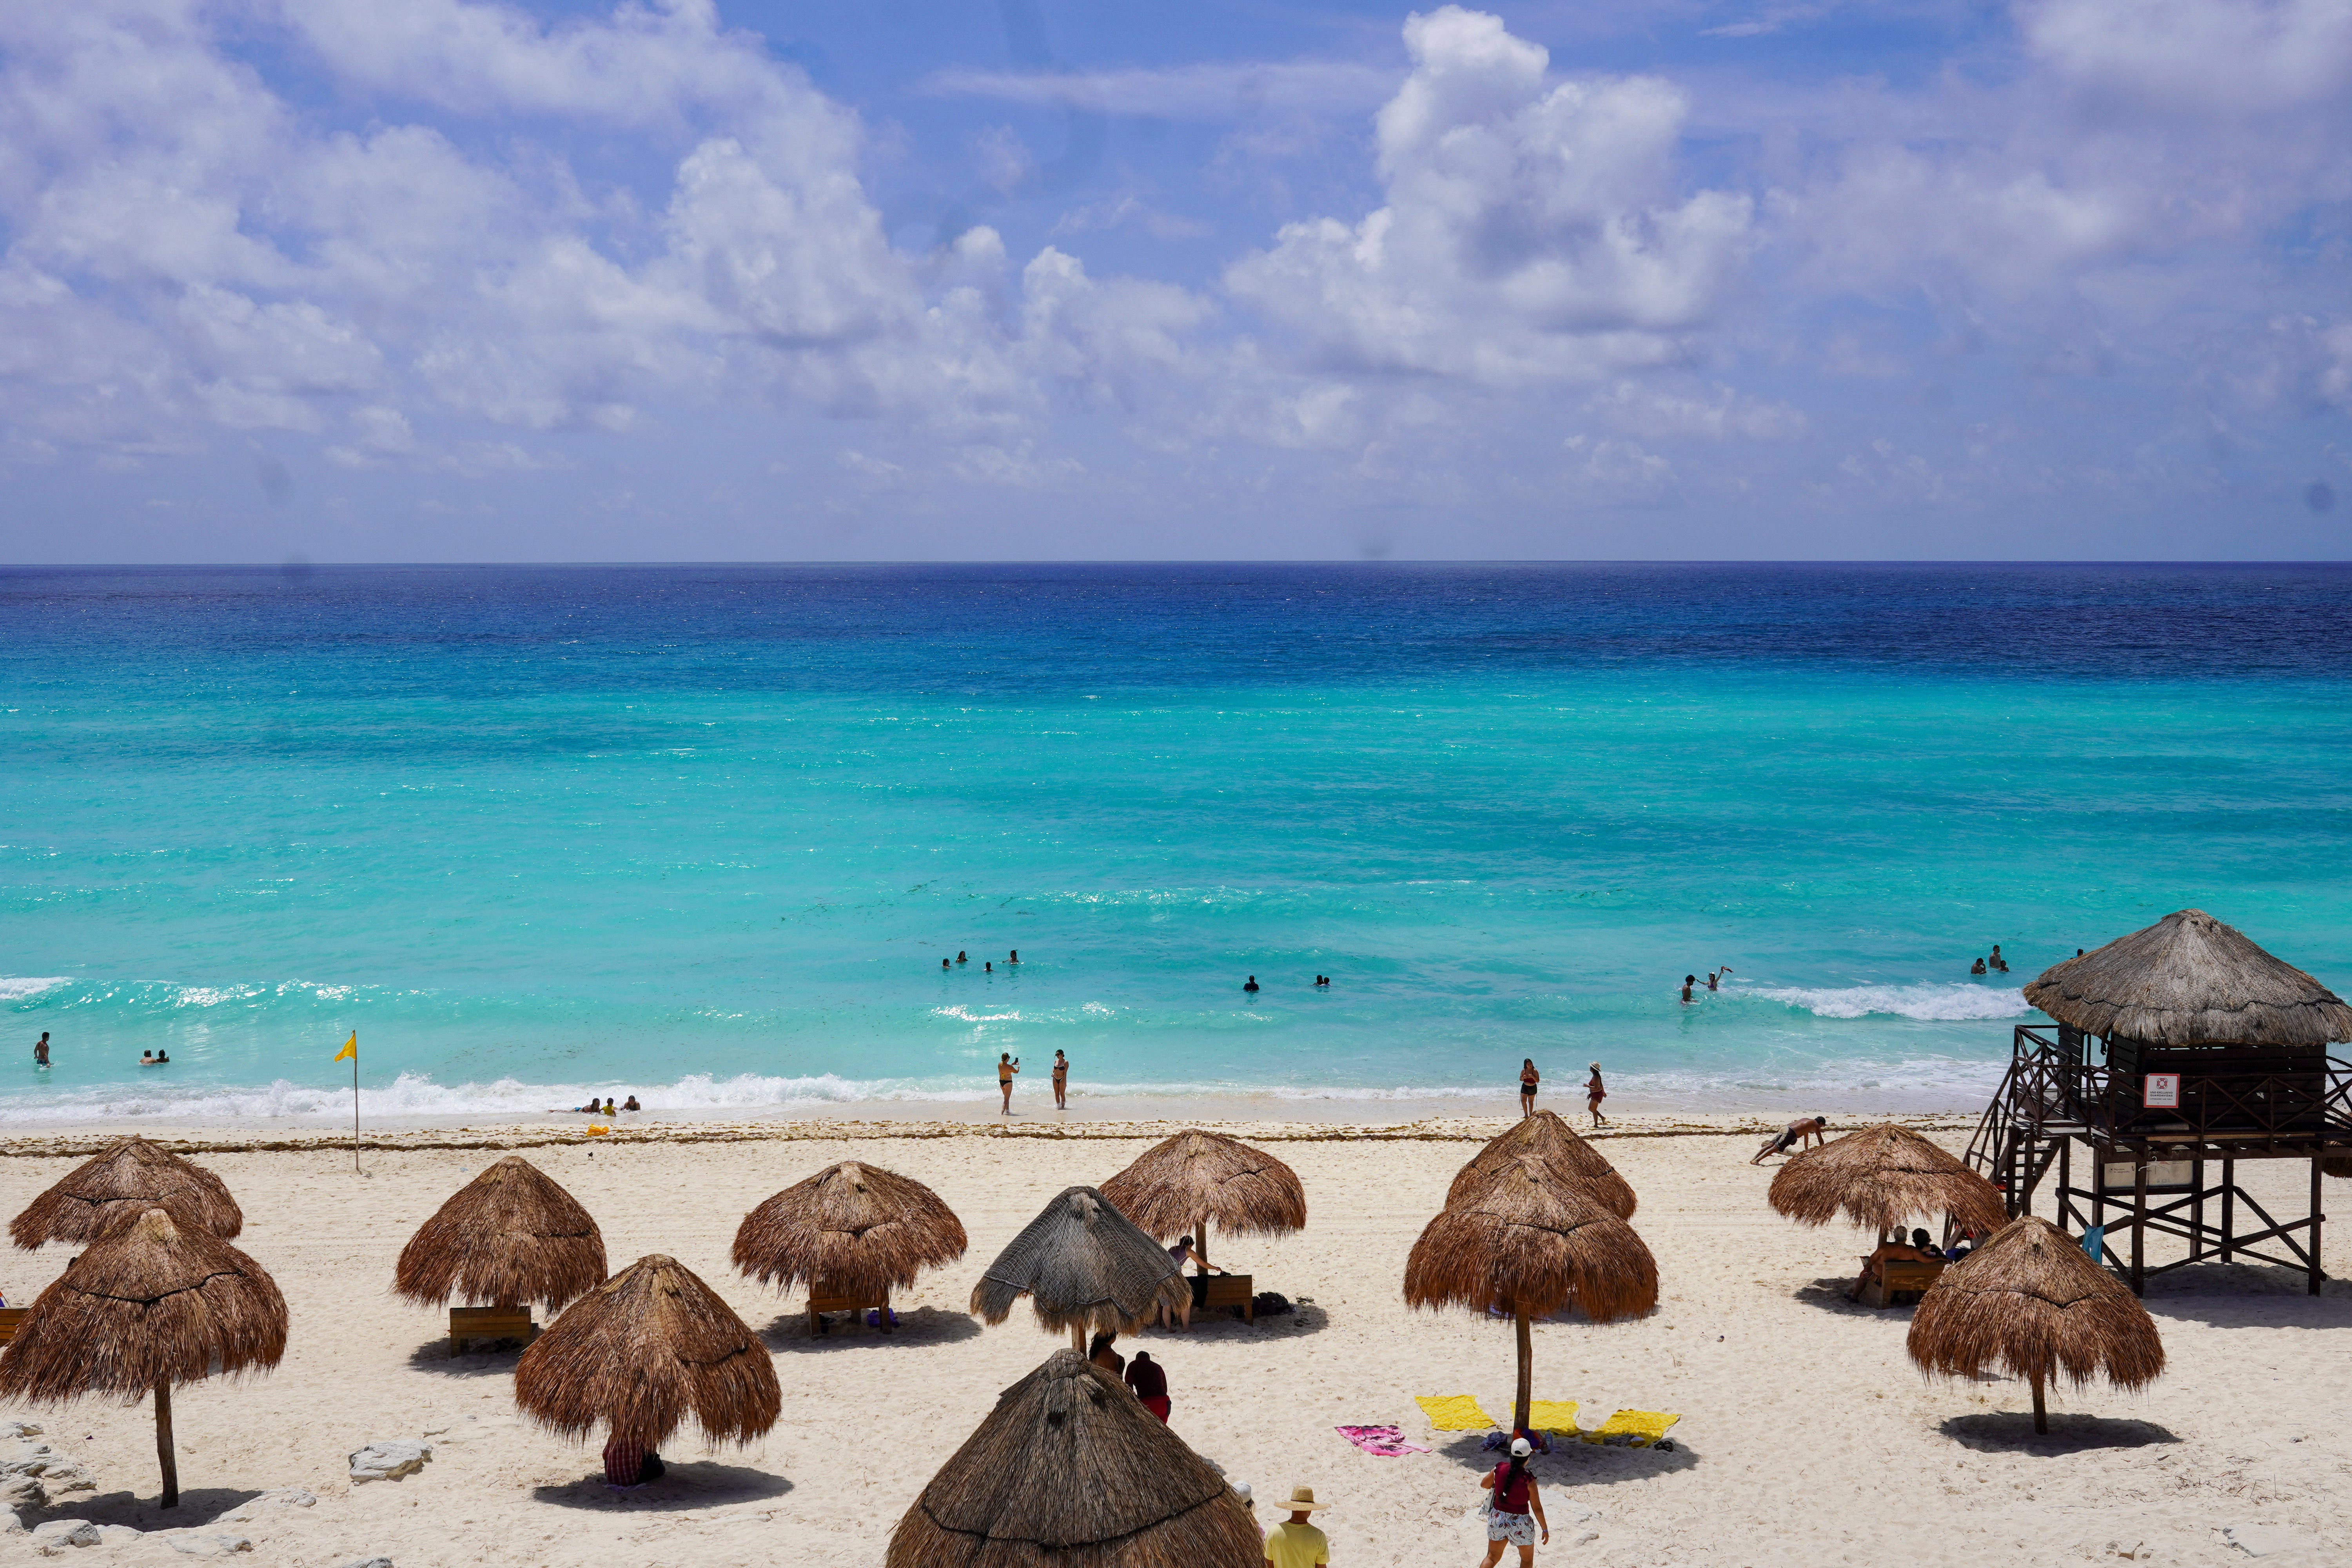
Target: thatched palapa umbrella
x,y
1533,1243
128,1174
2189,980
509,1237
2031,1302
1547,1136
1178,1187
1070,1471
1881,1176
1084,1265
641,1353
863,1229
154,1301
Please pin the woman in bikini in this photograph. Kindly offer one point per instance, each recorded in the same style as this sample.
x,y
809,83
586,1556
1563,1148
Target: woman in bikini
x,y
1528,1079
1006,1065
1060,1082
1593,1095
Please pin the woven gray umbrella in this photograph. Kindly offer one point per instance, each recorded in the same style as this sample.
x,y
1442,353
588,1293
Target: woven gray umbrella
x,y
1084,1267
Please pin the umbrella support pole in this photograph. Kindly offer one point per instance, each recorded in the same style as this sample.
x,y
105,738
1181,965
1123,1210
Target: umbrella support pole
x,y
163,1443
1526,1371
2041,1413
1078,1337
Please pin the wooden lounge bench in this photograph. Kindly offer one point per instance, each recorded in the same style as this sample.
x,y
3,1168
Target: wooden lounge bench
x,y
1899,1276
1229,1291
489,1323
9,1317
826,1296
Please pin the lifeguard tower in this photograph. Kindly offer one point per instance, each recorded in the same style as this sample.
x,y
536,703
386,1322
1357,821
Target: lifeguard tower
x,y
2175,1054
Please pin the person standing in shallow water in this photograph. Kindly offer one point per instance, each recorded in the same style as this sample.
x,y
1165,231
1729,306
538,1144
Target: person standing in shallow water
x,y
1689,981
1250,985
41,1050
1528,1079
1594,1093
1060,1082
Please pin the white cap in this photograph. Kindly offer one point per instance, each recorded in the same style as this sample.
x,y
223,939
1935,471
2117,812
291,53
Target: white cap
x,y
1521,1448
1241,1491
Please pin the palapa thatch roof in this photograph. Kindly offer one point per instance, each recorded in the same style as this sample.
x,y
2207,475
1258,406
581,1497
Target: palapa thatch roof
x,y
2190,980
1534,1244
1547,1136
1084,1265
1070,1470
641,1353
867,1229
511,1236
1881,1177
128,1174
2031,1303
155,1300
1174,1184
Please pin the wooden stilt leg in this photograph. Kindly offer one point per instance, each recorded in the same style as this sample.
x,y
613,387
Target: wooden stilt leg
x,y
163,1443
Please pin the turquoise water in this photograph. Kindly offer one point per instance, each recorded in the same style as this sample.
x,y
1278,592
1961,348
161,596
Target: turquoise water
x,y
706,834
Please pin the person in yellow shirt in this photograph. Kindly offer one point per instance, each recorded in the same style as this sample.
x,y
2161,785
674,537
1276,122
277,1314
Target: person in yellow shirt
x,y
1295,1542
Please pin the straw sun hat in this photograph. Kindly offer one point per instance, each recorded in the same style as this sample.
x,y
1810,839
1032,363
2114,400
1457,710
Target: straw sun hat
x,y
1302,1501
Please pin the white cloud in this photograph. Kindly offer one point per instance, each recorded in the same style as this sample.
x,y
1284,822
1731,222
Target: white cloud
x,y
1219,93
2226,56
1532,229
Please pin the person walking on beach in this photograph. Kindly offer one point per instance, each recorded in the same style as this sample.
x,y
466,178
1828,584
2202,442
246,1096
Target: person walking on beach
x,y
1528,1079
1594,1093
1513,1508
1295,1542
41,1050
1060,1082
1006,1065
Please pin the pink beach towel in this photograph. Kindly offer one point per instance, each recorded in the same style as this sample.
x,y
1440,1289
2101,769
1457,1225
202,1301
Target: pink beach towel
x,y
1385,1442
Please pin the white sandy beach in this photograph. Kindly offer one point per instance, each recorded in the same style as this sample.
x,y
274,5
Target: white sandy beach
x,y
1807,1437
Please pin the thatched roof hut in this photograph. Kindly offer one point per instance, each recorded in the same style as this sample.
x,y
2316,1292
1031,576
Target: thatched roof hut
x,y
866,1229
1177,1187
2031,1302
1084,1267
1533,1244
1882,1176
2189,980
641,1353
511,1234
128,1174
1070,1470
1547,1135
155,1302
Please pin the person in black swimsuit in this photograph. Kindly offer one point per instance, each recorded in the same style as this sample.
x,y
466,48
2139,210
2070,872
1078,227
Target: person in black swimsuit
x,y
1528,1079
1251,985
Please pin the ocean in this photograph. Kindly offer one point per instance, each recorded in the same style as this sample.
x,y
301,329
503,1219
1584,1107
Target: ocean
x,y
705,834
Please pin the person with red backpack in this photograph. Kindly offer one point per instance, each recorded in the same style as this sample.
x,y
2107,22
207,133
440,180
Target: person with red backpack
x,y
1514,1510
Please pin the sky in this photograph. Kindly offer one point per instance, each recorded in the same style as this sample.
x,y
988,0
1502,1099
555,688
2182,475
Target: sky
x,y
971,279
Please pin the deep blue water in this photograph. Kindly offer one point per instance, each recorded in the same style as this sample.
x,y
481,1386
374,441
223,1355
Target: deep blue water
x,y
707,832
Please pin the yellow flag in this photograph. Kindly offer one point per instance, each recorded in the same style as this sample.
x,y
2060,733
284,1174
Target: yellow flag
x,y
351,1051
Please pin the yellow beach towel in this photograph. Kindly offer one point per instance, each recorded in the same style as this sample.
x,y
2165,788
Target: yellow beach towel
x,y
1454,1412
1553,1415
598,1131
1632,1428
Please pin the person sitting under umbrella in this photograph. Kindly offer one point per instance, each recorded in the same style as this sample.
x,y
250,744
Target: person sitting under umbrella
x,y
1895,1250
1150,1381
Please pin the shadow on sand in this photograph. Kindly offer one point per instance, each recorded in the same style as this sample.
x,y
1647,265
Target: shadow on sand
x,y
2247,1296
1305,1317
199,1507
1573,1462
919,1326
689,1484
494,1358
2011,1432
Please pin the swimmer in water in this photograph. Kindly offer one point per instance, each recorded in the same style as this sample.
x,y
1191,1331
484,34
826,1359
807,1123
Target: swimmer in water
x,y
41,1050
1689,981
960,958
1978,967
943,963
1011,957
1250,985
146,1058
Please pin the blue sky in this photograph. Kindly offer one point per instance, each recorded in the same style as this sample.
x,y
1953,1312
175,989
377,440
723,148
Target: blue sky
x,y
912,280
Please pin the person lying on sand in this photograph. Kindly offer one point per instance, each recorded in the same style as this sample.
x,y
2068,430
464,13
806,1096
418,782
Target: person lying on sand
x,y
1794,1136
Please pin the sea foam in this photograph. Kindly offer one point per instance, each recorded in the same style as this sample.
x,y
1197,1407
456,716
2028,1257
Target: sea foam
x,y
1931,1003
